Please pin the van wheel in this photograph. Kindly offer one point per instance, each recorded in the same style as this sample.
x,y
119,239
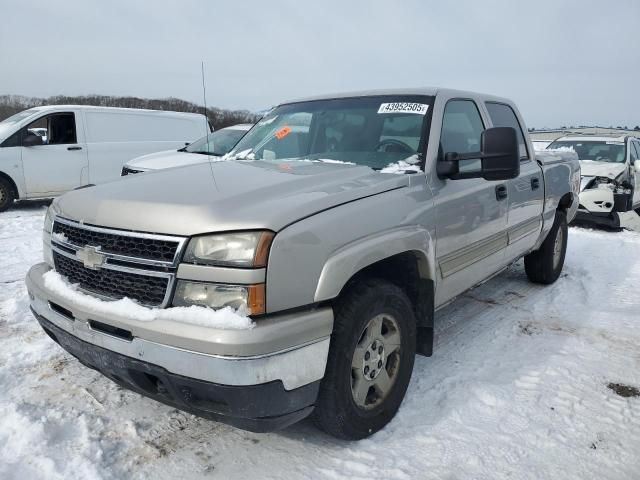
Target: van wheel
x,y
545,264
370,361
7,195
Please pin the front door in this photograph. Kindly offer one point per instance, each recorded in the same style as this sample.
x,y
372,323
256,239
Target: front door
x,y
471,213
54,165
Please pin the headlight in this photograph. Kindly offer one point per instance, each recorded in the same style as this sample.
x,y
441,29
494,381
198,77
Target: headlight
x,y
48,221
247,298
605,183
242,249
46,237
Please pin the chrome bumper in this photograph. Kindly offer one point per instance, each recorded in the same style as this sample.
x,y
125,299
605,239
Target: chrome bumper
x,y
292,348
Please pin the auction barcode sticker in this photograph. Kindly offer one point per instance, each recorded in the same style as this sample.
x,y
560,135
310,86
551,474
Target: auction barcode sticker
x,y
404,107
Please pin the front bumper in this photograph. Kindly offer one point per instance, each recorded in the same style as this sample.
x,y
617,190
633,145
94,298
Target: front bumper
x,y
609,220
604,201
261,391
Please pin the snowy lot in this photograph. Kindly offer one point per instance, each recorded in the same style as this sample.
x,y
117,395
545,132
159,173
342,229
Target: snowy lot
x,y
518,388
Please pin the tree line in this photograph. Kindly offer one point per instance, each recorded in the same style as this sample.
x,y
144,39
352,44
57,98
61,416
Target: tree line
x,y
218,117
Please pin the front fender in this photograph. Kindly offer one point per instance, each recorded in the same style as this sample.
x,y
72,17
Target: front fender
x,y
311,260
344,263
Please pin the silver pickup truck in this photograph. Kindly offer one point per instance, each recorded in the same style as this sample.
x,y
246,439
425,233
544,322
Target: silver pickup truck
x,y
338,240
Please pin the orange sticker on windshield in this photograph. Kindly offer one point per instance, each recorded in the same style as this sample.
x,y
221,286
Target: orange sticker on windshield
x,y
283,132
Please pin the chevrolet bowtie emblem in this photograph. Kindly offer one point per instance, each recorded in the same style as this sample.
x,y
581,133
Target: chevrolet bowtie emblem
x,y
91,257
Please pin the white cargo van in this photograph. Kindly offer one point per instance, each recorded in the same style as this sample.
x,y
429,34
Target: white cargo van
x,y
84,145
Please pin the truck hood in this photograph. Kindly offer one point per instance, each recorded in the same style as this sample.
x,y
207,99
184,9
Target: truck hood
x,y
166,159
590,168
222,196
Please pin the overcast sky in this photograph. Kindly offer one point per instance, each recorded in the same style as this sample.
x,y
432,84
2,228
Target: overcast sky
x,y
563,62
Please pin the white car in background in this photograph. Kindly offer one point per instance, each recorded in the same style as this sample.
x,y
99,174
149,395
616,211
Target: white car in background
x,y
215,144
610,178
540,145
84,145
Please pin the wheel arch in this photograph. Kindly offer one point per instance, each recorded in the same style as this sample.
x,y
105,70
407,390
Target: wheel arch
x,y
566,201
404,257
12,183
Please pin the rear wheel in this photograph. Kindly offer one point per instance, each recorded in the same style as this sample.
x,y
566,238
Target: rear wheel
x,y
545,264
370,361
7,195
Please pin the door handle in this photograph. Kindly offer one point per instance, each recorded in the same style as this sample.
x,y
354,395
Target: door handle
x,y
535,183
74,148
501,192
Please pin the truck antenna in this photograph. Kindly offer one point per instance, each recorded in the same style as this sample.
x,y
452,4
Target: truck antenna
x,y
204,98
206,122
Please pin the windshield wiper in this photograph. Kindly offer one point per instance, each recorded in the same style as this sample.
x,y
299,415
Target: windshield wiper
x,y
199,152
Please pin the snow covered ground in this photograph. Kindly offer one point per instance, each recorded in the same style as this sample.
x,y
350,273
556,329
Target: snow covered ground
x,y
518,388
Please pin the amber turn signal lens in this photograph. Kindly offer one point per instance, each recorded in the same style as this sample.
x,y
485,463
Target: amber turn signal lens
x,y
256,300
262,249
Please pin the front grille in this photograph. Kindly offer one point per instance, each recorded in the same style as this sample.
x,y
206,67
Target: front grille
x,y
114,284
130,246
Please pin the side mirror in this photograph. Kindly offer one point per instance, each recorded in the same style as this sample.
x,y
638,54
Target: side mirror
x,y
31,140
500,156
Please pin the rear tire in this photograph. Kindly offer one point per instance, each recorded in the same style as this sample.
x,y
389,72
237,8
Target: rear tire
x,y
370,361
545,264
7,195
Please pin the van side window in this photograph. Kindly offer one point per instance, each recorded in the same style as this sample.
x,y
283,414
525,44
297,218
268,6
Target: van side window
x,y
462,128
503,116
55,129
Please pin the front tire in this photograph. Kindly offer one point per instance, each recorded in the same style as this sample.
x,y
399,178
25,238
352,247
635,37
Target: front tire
x,y
545,264
7,195
370,361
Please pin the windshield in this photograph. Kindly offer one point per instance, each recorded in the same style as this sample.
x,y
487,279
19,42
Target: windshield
x,y
7,125
371,131
220,142
18,117
599,151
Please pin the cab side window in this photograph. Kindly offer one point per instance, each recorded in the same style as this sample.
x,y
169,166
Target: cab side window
x,y
462,128
503,116
54,129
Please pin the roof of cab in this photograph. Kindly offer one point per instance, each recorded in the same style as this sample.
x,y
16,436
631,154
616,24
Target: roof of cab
x,y
427,91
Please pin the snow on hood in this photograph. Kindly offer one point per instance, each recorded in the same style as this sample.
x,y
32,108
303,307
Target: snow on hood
x,y
168,159
590,168
217,196
408,165
225,318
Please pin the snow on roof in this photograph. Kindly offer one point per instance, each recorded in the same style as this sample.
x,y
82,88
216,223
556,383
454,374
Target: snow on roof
x,y
592,138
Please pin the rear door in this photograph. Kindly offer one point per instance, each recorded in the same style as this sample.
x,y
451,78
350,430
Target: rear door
x,y
526,192
471,213
56,166
635,171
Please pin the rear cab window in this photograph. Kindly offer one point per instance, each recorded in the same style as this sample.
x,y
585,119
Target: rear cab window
x,y
502,115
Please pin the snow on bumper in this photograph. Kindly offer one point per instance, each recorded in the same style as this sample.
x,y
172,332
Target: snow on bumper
x,y
289,348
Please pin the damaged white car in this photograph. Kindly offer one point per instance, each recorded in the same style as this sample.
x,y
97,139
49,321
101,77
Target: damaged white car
x,y
610,182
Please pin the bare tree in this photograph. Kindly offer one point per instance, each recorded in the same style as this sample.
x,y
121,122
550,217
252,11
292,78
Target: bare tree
x,y
218,117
